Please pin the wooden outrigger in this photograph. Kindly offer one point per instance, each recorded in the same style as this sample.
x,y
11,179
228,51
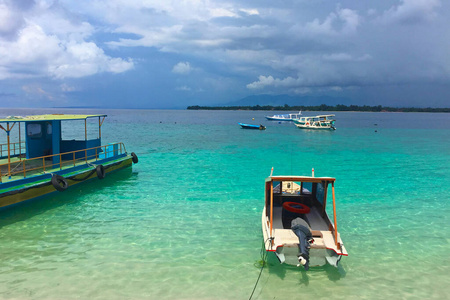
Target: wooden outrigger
x,y
295,223
43,162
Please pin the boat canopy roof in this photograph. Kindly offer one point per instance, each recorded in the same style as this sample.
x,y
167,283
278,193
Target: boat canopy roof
x,y
300,178
319,116
50,117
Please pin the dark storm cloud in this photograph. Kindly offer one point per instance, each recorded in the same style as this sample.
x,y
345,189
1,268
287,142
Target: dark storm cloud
x,y
229,49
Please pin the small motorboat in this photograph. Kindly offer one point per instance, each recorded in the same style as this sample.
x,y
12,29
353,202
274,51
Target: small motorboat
x,y
295,224
250,126
284,117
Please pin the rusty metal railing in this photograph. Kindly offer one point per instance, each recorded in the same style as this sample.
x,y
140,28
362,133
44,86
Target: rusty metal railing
x,y
42,164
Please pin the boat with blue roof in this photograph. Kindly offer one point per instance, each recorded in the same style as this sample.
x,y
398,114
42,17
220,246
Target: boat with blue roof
x,y
36,160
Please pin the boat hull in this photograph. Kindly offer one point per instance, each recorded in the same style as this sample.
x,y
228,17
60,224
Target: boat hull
x,y
279,119
38,186
288,254
301,126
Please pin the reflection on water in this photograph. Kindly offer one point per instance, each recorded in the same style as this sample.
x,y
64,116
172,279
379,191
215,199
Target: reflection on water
x,y
37,206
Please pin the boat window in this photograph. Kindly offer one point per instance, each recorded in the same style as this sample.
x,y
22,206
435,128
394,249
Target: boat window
x,y
320,192
34,131
276,187
77,130
49,129
307,188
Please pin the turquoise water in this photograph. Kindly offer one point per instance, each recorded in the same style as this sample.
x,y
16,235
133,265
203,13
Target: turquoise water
x,y
185,222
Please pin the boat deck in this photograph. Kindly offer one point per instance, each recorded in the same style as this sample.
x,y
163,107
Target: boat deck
x,y
323,237
315,221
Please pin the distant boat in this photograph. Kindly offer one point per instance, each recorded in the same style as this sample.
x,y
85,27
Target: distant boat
x,y
250,126
316,122
295,223
43,162
284,117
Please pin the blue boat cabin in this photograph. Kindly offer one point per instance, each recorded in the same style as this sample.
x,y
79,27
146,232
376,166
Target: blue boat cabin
x,y
44,138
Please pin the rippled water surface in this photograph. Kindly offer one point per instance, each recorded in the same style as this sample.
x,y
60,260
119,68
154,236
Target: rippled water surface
x,y
184,223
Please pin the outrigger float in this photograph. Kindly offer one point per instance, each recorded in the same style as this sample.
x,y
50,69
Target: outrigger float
x,y
44,162
295,223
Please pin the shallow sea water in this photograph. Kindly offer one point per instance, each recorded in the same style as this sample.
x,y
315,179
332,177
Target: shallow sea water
x,y
185,222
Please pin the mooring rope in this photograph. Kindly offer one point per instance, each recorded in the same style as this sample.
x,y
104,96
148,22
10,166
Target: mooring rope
x,y
264,257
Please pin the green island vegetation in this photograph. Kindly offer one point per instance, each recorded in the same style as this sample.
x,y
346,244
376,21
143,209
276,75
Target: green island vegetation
x,y
323,107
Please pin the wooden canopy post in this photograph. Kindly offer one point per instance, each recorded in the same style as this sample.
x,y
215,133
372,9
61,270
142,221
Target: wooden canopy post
x,y
325,192
8,131
20,145
9,149
100,127
334,217
271,211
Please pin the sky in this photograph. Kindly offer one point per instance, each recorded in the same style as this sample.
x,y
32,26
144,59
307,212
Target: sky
x,y
175,53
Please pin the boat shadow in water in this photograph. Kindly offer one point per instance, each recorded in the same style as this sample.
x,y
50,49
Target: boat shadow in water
x,y
36,206
280,270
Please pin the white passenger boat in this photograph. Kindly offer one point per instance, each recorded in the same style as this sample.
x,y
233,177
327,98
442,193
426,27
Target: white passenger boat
x,y
284,117
295,223
316,122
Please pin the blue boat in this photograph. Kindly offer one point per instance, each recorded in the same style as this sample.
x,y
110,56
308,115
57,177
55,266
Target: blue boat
x,y
44,162
250,126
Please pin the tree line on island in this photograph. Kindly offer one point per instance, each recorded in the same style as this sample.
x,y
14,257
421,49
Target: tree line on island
x,y
323,107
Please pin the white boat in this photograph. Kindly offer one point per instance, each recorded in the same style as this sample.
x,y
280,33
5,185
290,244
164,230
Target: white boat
x,y
295,223
284,117
316,122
